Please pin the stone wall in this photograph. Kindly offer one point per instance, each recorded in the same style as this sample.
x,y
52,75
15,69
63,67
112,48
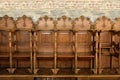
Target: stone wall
x,y
55,8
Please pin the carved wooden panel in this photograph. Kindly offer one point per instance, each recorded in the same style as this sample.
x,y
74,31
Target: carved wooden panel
x,y
45,23
103,23
106,42
64,42
116,25
65,49
64,23
82,23
45,43
7,23
22,41
84,43
4,41
24,23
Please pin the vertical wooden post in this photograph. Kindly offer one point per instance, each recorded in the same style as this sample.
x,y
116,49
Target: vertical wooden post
x,y
55,70
91,47
76,70
10,47
100,55
73,46
96,54
113,40
31,63
55,48
119,54
35,47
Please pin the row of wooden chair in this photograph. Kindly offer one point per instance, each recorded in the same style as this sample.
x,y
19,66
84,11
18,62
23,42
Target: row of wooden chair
x,y
62,46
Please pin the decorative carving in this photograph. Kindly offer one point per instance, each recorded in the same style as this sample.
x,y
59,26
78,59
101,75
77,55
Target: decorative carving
x,y
45,23
7,23
103,23
82,23
64,23
116,25
24,23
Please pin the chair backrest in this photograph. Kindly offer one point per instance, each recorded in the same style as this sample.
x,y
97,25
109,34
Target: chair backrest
x,y
84,36
45,23
82,23
103,24
45,40
24,23
7,23
64,23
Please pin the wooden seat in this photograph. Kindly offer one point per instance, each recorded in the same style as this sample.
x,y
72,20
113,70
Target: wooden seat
x,y
7,27
65,55
44,44
64,47
23,44
84,45
103,25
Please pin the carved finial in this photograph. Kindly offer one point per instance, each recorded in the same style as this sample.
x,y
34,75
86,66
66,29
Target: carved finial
x,y
24,17
6,17
76,19
82,18
46,17
64,17
103,18
40,18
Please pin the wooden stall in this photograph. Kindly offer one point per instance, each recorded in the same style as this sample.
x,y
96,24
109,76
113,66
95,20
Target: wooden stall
x,y
23,46
7,27
44,46
64,46
107,60
85,53
59,49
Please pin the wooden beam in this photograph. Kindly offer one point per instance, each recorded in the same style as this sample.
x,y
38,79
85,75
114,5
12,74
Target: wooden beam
x,y
77,76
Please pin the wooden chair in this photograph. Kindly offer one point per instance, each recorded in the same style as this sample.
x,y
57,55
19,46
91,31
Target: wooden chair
x,y
64,46
44,46
85,54
7,27
103,25
23,39
116,39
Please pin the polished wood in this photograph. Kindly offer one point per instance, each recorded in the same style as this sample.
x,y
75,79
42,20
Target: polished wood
x,y
84,43
44,44
60,48
23,44
117,39
65,53
103,25
7,26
